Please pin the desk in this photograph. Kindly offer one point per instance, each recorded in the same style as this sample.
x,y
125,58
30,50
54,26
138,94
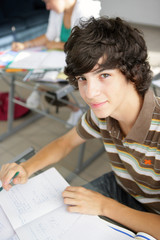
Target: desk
x,y
60,92
71,178
67,174
28,59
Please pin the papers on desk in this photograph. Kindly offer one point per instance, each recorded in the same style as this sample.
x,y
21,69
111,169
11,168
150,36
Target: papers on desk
x,y
29,59
36,211
6,57
6,230
51,76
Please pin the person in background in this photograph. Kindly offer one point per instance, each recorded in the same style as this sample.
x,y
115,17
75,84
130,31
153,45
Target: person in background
x,y
64,15
107,61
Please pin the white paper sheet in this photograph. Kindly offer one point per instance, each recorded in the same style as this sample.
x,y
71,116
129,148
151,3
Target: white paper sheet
x,y
92,227
40,195
54,59
51,226
36,211
62,225
28,59
6,230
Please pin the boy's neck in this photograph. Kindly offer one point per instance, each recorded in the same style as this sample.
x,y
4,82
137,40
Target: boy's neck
x,y
132,113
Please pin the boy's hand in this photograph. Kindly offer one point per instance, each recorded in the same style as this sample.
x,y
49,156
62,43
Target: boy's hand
x,y
84,201
8,171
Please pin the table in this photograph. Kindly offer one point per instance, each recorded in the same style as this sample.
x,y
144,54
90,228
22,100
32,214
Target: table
x,y
71,177
19,65
60,90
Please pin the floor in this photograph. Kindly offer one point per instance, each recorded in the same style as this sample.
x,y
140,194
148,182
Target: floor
x,y
44,130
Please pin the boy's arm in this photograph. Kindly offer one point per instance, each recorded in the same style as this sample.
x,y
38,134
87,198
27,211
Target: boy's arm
x,y
138,221
50,154
53,152
87,201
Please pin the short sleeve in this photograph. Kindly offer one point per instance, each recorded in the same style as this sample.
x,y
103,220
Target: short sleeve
x,y
87,127
54,26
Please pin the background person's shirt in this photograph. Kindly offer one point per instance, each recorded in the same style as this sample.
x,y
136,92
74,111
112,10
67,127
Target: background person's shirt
x,y
65,33
83,9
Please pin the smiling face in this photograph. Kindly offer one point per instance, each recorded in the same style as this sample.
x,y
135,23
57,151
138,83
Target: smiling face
x,y
107,92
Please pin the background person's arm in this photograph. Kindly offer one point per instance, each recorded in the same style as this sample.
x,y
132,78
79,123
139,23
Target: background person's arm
x,y
55,45
39,41
36,42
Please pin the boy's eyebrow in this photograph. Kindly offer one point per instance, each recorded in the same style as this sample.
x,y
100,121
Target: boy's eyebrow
x,y
95,71
98,70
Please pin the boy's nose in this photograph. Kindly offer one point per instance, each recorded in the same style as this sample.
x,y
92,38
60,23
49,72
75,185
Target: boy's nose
x,y
92,89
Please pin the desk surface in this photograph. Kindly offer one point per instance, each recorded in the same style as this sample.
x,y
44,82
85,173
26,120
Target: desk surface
x,y
20,88
71,177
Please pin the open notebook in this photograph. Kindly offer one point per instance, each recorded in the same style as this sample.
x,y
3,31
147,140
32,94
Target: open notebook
x,y
35,211
37,59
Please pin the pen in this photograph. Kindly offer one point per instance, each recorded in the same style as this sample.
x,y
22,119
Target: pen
x,y
16,174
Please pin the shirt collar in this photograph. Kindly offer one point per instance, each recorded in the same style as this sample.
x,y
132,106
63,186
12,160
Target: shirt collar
x,y
140,129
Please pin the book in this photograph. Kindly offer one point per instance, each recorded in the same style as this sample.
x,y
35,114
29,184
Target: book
x,y
31,59
36,211
51,76
6,57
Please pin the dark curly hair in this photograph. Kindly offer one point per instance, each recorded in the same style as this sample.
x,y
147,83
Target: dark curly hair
x,y
122,47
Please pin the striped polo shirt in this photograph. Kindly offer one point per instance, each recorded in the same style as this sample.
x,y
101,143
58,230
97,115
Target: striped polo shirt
x,y
135,159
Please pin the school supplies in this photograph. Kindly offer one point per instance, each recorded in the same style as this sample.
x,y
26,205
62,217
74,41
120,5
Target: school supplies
x,y
36,210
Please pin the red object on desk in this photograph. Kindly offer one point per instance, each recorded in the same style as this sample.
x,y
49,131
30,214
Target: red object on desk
x,y
19,111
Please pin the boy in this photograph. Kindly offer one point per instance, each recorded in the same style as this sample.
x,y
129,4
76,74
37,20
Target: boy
x,y
107,61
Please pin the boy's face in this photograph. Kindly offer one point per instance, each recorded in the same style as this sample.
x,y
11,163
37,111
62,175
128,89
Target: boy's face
x,y
106,92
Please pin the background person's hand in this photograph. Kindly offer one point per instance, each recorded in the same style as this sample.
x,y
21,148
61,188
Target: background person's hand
x,y
8,171
18,46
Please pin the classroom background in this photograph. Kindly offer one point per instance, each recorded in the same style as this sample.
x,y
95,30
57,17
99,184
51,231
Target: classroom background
x,y
142,14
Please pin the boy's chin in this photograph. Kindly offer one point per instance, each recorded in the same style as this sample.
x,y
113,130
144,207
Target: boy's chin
x,y
100,114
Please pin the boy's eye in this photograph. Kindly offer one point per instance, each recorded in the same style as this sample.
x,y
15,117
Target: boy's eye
x,y
80,78
105,75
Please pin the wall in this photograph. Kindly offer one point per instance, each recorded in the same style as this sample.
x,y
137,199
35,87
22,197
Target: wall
x,y
137,11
